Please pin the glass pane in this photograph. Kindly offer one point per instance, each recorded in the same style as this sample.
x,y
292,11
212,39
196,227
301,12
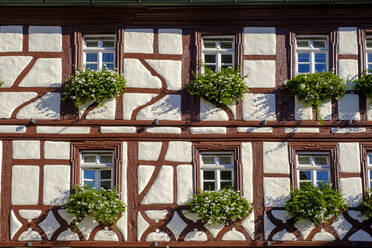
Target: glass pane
x,y
226,184
305,175
208,186
227,58
303,57
225,66
212,67
208,175
89,174
108,43
92,43
322,175
226,175
370,158
321,160
105,174
209,58
370,175
320,67
92,67
369,43
108,57
91,57
303,159
369,68
108,66
90,183
225,160
226,44
209,44
320,57
369,57
208,160
106,158
302,43
89,158
303,68
106,184
370,184
319,43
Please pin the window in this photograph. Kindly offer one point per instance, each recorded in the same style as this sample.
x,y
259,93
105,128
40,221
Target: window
x,y
369,170
216,170
218,52
99,52
97,169
369,54
311,54
313,168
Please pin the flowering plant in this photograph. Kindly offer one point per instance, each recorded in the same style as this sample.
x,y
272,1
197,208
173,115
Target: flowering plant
x,y
220,88
365,207
1,83
363,85
103,205
225,206
93,86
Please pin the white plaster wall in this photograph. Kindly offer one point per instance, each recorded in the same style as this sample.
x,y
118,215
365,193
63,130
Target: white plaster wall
x,y
301,130
15,224
167,108
144,173
208,130
56,184
276,191
348,70
170,41
351,190
255,129
137,75
275,157
149,151
259,107
116,129
209,112
46,72
247,170
348,107
259,41
9,101
104,112
11,67
45,39
348,130
184,183
49,224
326,110
302,112
161,190
176,225
138,40
347,40
46,107
56,150
13,129
122,224
131,101
25,182
261,73
179,151
173,130
62,129
348,157
170,70
11,38
26,149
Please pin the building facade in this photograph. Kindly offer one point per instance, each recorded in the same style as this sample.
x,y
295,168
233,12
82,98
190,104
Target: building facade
x,y
156,143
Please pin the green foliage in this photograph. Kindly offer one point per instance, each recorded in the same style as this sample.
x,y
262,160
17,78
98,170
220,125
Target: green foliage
x,y
220,88
93,86
225,206
1,83
314,88
365,207
363,85
103,205
317,204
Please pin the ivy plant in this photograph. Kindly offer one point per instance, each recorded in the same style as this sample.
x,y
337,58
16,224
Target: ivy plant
x,y
314,88
103,205
220,207
365,207
93,86
363,85
317,204
220,88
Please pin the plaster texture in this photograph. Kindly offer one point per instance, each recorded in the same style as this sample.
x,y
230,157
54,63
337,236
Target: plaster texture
x,y
261,73
144,173
45,39
13,129
196,236
26,149
348,157
28,214
170,130
247,170
248,224
131,101
360,236
106,235
348,107
301,130
86,226
347,40
167,108
29,235
284,235
56,184
170,70
179,151
11,38
184,183
49,225
11,67
259,41
348,70
305,227
208,130
149,151
138,76
46,107
325,110
170,41
68,235
25,181
104,112
157,236
259,107
14,224
161,191
142,225
117,129
302,112
56,150
276,191
9,101
46,72
348,130
255,129
62,130
156,215
176,225
275,157
341,226
138,40
233,235
351,190
209,112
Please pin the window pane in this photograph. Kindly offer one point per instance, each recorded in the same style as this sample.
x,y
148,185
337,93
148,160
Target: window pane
x,y
320,57
369,43
108,43
370,158
370,68
209,44
208,160
105,174
225,160
91,57
303,57
227,59
302,43
212,67
226,175
208,175
208,186
303,68
226,184
108,57
210,58
319,43
321,160
303,159
322,175
92,43
370,57
92,67
320,68
89,174
305,175
88,158
108,66
106,184
106,158
226,44
370,175
90,183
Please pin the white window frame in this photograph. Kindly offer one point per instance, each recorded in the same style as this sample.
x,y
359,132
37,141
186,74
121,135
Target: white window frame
x,y
313,167
312,50
219,51
97,167
217,168
369,169
368,51
100,50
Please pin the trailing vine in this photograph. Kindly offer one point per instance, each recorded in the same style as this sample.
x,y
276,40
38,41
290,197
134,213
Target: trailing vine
x,y
365,207
363,85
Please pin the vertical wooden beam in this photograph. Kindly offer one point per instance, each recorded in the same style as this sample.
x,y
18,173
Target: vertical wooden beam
x,y
258,202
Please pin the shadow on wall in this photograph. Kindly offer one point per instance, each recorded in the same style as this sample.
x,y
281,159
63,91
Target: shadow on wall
x,y
263,108
48,106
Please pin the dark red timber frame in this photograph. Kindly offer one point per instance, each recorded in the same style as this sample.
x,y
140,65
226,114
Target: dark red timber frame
x,y
330,148
365,148
217,147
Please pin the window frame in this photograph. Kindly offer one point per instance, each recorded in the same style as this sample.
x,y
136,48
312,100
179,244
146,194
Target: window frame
x,y
365,150
100,50
366,51
218,52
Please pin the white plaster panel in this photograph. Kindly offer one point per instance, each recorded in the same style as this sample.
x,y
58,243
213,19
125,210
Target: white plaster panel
x,y
131,101
214,228
261,73
87,225
276,191
348,107
179,151
106,235
161,190
325,110
122,223
170,41
255,129
11,67
25,182
275,157
104,112
348,157
208,130
144,173
138,76
149,151
268,226
13,129
301,130
247,170
347,40
284,235
56,150
170,70
184,183
351,190
11,38
259,41
46,107
369,109
156,214
305,226
167,108
138,40
341,226
45,39
56,184
348,70
357,215
233,235
259,107
9,101
348,130
248,224
66,216
323,236
117,129
26,149
68,235
142,225
15,224
49,224
62,129
30,235
302,112
173,130
157,236
176,225
209,112
282,215
46,72
360,236
29,214
191,216
196,236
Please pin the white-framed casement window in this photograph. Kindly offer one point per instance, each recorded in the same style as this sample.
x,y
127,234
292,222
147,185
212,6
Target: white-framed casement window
x,y
369,170
216,170
218,51
313,168
369,54
311,54
97,169
99,52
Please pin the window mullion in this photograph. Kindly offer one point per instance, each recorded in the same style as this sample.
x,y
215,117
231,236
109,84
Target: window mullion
x,y
218,179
